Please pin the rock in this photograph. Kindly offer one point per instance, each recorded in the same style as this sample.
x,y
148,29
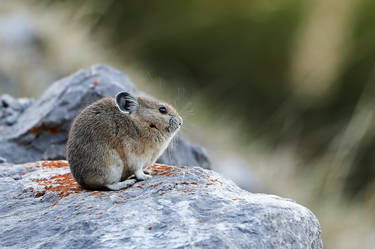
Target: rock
x,y
11,109
181,152
40,131
180,207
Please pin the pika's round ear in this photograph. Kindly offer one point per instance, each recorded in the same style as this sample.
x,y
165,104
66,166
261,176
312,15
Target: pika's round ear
x,y
126,103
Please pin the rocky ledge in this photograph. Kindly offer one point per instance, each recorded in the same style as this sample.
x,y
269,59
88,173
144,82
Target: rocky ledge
x,y
41,206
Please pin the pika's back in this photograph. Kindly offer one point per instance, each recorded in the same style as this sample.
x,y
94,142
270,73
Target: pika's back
x,y
95,121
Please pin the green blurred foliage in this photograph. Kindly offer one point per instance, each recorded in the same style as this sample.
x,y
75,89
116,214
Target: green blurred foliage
x,y
238,55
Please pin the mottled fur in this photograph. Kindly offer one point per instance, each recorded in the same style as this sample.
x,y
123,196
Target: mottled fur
x,y
107,144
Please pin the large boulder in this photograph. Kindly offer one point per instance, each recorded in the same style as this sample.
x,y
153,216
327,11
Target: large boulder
x,y
37,130
179,207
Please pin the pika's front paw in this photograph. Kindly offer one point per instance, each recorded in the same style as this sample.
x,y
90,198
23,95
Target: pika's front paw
x,y
147,177
147,172
142,176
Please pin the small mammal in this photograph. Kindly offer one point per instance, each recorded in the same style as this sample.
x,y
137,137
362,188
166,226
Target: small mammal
x,y
113,139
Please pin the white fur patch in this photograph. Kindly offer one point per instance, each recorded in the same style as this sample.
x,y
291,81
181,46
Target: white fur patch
x,y
115,168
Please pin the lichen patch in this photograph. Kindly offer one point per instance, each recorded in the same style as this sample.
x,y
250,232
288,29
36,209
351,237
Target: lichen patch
x,y
54,164
64,185
36,130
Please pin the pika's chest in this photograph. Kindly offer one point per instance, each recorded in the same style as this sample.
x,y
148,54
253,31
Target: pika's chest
x,y
143,153
146,158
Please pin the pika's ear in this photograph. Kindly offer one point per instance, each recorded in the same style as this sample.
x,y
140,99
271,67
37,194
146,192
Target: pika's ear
x,y
126,103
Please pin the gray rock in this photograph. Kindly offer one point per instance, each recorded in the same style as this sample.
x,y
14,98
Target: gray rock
x,y
11,109
180,207
39,131
181,152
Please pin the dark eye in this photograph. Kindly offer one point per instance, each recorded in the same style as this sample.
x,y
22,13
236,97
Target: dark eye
x,y
163,110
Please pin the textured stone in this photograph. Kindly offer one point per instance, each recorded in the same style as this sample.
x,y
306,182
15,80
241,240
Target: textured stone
x,y
11,109
39,132
180,207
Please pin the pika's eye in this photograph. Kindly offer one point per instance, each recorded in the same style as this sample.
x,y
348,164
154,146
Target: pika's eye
x,y
163,110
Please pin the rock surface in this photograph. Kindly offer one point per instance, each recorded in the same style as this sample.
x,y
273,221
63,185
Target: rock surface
x,y
11,109
41,206
39,131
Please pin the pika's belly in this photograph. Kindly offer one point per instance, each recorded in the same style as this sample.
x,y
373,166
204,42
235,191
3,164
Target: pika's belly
x,y
141,160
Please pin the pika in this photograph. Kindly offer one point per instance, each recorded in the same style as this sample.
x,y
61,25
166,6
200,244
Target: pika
x,y
115,138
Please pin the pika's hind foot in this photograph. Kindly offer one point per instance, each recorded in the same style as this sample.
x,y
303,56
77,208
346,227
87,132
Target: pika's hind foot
x,y
121,185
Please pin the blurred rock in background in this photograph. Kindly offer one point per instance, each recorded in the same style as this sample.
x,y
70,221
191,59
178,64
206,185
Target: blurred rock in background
x,y
238,170
23,57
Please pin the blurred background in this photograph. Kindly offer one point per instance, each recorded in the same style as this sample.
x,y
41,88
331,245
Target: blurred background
x,y
280,92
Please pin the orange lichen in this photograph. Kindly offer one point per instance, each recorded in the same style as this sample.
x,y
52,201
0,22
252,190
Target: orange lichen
x,y
139,187
54,164
150,228
63,184
57,218
100,213
39,194
186,183
166,173
54,131
95,192
158,167
215,180
161,167
90,207
36,130
95,83
200,221
236,199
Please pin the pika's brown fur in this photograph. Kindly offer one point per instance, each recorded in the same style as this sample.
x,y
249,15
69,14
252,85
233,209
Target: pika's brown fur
x,y
113,139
